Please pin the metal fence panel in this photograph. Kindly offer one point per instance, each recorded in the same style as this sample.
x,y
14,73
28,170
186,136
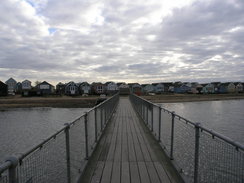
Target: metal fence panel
x,y
91,131
184,147
156,111
165,130
77,148
4,177
45,164
219,161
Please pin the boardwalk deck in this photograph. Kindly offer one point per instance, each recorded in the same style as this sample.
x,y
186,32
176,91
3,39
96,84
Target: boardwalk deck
x,y
128,153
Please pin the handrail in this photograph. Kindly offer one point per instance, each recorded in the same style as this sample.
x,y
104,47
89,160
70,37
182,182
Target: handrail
x,y
106,107
211,132
189,149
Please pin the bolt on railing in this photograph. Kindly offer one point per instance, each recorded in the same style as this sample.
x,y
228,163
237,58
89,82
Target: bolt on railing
x,y
191,147
26,168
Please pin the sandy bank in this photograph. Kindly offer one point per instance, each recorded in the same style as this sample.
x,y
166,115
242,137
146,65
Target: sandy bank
x,y
171,98
63,102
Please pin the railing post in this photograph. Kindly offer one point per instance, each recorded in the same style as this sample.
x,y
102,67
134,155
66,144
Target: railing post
x,y
12,173
197,137
172,136
86,136
101,116
159,123
151,117
95,113
147,114
67,143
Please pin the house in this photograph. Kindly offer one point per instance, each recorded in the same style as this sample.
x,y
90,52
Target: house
x,y
185,88
196,88
85,88
208,88
112,88
124,89
11,86
180,87
71,88
44,88
136,89
168,87
231,88
148,88
177,87
26,85
227,88
158,88
18,89
60,88
98,88
3,89
239,87
216,86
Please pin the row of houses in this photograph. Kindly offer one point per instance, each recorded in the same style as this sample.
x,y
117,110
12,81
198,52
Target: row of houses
x,y
11,87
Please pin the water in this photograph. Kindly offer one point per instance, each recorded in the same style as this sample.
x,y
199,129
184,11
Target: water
x,y
23,128
225,117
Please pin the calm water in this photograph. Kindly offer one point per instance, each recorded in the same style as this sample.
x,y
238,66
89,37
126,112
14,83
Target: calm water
x,y
225,117
22,129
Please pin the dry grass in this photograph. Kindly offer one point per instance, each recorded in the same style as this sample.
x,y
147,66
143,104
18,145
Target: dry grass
x,y
169,98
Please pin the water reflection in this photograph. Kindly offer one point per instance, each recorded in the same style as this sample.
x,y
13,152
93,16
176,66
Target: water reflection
x,y
23,128
225,117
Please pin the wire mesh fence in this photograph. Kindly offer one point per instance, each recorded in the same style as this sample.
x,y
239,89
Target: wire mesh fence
x,y
165,139
4,177
184,147
199,154
77,148
219,161
47,163
62,157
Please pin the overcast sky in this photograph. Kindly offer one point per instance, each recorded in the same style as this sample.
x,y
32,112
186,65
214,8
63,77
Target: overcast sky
x,y
122,40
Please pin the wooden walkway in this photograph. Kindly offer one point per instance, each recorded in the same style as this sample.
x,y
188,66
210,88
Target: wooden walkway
x,y
128,153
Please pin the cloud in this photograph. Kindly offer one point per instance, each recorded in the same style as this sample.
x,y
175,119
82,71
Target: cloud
x,y
122,40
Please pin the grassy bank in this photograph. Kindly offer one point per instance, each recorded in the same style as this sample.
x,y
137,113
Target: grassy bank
x,y
171,98
63,102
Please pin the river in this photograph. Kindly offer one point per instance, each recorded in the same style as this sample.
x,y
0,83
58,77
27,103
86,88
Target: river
x,y
225,117
23,128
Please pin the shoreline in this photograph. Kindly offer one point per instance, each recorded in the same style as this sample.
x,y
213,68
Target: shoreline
x,y
178,98
90,101
57,102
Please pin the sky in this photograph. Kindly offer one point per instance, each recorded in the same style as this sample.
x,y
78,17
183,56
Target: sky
x,y
142,41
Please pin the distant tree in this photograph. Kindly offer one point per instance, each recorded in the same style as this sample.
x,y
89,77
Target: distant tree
x,y
37,82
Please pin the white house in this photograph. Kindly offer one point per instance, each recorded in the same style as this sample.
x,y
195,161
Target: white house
x,y
26,85
85,88
112,87
158,87
71,88
11,86
149,88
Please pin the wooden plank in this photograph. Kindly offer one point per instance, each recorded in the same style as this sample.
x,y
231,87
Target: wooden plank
x,y
161,173
124,152
143,172
134,174
125,172
106,176
152,172
143,145
131,150
110,155
116,172
96,177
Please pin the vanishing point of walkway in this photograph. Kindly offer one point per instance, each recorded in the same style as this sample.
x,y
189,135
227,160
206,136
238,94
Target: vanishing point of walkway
x,y
128,153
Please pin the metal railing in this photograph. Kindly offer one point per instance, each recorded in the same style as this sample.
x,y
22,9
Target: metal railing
x,y
63,156
199,154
